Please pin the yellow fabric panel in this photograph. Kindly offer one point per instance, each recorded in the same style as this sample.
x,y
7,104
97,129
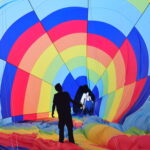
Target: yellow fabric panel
x,y
115,104
101,134
95,66
55,114
73,52
54,137
44,61
20,131
53,91
111,77
44,100
86,144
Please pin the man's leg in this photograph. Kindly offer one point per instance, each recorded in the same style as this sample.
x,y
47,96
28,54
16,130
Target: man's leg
x,y
70,134
61,131
70,130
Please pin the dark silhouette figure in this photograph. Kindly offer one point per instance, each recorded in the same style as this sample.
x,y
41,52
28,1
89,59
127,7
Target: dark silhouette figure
x,y
62,102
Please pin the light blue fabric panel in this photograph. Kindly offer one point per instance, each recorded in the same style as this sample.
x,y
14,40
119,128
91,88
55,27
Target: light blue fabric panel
x,y
61,75
2,67
45,7
103,106
143,26
118,13
11,12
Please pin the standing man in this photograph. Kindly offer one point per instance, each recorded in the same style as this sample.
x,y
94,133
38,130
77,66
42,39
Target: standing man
x,y
62,102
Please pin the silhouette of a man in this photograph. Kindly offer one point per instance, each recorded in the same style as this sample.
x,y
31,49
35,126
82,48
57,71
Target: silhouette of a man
x,y
62,102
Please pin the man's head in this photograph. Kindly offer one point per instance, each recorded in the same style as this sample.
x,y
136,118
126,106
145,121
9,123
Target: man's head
x,y
85,88
58,87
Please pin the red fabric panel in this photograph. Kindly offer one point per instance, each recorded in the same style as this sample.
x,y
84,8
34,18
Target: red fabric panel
x,y
24,42
33,143
129,61
70,27
25,140
123,142
30,117
18,92
143,141
137,91
103,44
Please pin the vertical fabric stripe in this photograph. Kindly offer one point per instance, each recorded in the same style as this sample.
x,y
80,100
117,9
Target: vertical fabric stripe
x,y
44,99
32,95
6,89
18,92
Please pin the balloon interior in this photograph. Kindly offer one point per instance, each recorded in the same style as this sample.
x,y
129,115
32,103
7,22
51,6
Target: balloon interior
x,y
98,50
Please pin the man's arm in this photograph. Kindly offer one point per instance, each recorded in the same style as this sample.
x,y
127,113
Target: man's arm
x,y
74,102
53,107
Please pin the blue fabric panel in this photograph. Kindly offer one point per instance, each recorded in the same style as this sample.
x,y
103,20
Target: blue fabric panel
x,y
95,92
97,106
61,75
103,106
107,31
63,15
14,32
141,53
69,85
16,148
140,119
82,80
6,87
17,118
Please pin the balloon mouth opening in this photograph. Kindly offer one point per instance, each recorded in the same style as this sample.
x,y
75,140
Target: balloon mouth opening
x,y
85,97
